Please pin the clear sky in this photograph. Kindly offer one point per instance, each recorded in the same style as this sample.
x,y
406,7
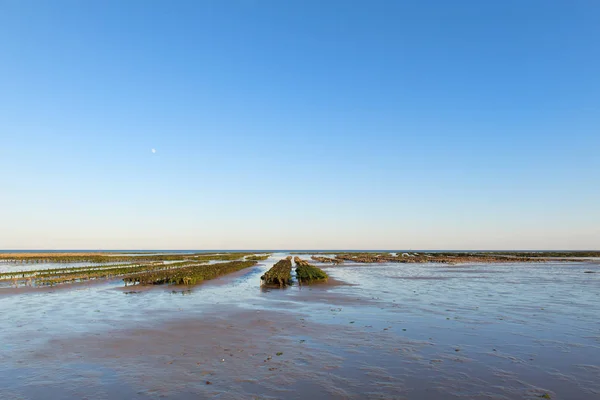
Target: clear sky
x,y
299,124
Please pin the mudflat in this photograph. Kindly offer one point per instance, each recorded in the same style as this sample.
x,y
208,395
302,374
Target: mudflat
x,y
373,330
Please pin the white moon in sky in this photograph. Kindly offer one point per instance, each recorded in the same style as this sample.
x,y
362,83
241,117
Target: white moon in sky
x,y
153,150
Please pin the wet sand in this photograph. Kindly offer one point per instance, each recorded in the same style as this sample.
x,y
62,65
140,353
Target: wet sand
x,y
520,332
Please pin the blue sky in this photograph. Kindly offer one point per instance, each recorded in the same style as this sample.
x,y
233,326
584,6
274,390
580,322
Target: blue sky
x,y
300,124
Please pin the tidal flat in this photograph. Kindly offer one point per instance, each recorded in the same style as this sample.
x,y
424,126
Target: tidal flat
x,y
383,325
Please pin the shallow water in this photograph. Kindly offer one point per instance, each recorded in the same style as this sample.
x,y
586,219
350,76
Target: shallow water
x,y
506,331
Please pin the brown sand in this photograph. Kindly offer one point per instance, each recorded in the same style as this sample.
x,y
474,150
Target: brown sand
x,y
239,353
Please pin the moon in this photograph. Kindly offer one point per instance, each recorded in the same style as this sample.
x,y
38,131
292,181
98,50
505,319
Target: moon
x,y
153,151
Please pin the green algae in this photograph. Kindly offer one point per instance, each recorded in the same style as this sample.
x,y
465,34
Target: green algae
x,y
258,257
188,275
307,273
280,275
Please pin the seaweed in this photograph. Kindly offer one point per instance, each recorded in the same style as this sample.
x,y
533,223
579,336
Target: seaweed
x,y
189,275
67,274
51,277
280,275
99,258
262,257
444,258
326,260
307,273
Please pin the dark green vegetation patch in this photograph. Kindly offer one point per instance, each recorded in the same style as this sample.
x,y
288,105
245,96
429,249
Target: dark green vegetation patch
x,y
280,275
137,266
307,274
189,275
258,257
51,277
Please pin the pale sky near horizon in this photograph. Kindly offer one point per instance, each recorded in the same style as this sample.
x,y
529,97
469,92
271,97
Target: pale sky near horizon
x,y
299,124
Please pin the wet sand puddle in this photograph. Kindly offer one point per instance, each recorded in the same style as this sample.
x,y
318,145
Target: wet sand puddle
x,y
510,331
